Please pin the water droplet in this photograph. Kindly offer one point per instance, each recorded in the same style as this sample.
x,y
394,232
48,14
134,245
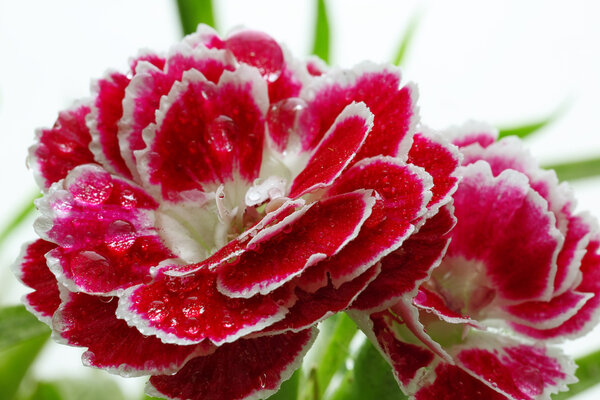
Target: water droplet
x,y
285,116
92,186
120,236
529,381
66,147
220,133
127,198
259,50
262,381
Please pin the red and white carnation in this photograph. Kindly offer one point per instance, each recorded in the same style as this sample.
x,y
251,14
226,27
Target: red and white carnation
x,y
202,212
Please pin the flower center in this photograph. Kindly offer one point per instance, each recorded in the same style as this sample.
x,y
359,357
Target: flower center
x,y
194,230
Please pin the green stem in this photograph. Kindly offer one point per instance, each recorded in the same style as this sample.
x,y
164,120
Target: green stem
x,y
194,12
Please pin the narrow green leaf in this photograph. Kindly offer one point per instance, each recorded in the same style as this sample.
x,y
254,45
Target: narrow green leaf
x,y
532,127
407,39
17,325
98,386
19,217
370,379
321,46
289,389
15,362
588,373
194,12
570,171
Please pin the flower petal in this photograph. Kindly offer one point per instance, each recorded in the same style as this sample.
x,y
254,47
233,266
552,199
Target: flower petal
x,y
505,226
521,371
248,369
90,321
63,147
151,82
107,110
379,88
201,136
434,303
321,232
188,309
31,269
404,270
335,151
104,227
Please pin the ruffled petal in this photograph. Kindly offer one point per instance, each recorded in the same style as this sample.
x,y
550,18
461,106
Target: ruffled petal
x,y
202,137
104,227
32,270
188,309
379,88
151,82
503,223
103,121
248,369
321,232
404,270
61,148
90,321
335,151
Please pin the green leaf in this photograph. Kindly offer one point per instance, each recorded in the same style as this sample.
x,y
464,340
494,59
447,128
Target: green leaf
x,y
570,171
19,217
15,362
289,389
588,373
328,355
194,12
98,386
370,379
17,325
532,127
407,39
321,45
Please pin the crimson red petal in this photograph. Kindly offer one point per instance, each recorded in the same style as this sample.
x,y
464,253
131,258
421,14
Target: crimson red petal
x,y
90,321
32,270
321,232
516,234
246,369
105,231
403,270
202,136
61,148
106,112
379,88
335,151
189,309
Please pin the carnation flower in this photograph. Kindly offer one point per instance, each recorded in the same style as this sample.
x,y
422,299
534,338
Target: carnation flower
x,y
204,211
521,271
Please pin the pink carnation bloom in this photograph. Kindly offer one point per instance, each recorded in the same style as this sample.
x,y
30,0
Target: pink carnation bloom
x,y
204,211
522,270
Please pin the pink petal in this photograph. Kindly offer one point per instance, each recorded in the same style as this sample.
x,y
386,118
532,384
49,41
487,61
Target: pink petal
x,y
104,227
379,88
440,159
521,371
321,232
452,383
313,307
403,270
404,192
151,82
579,230
201,137
103,121
90,321
32,270
188,309
245,369
335,151
505,225
61,148
587,317
472,133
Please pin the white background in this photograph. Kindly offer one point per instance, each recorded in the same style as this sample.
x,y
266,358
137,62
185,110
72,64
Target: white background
x,y
504,62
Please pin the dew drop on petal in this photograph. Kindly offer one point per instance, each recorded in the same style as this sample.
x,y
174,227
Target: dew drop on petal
x,y
127,198
259,50
90,187
88,263
529,381
120,236
220,132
